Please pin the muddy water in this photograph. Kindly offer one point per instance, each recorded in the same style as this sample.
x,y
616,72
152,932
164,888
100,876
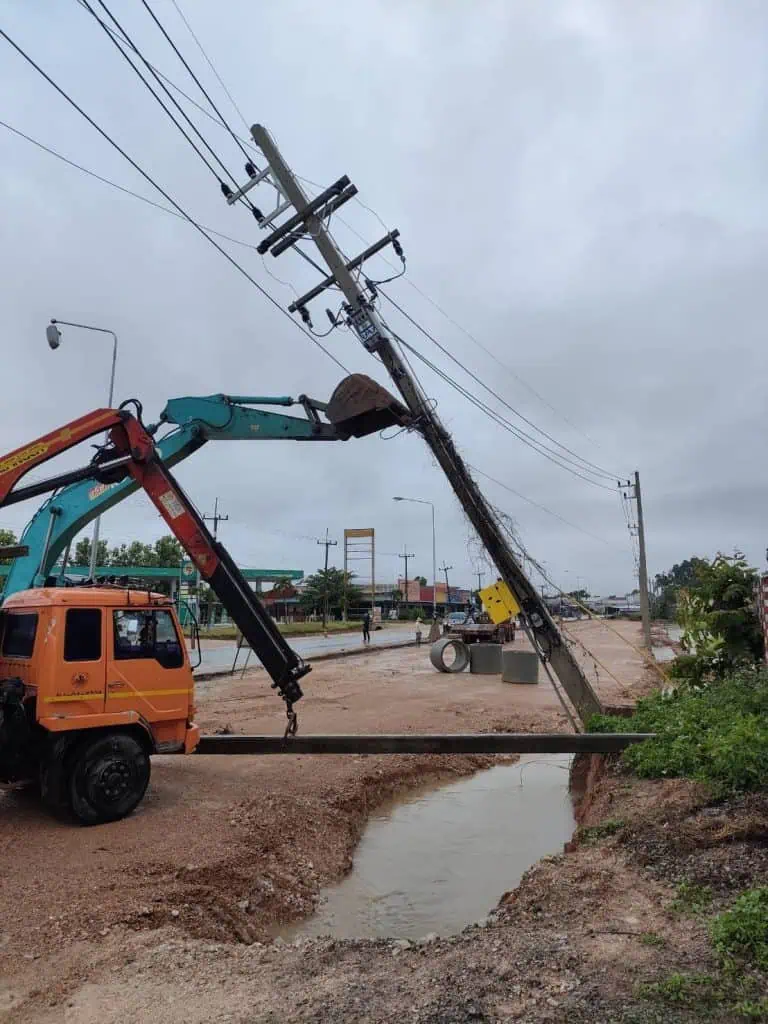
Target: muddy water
x,y
441,859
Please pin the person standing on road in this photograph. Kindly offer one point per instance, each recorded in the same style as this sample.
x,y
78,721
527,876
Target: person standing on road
x,y
366,628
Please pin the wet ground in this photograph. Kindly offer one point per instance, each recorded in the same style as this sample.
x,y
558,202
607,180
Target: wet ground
x,y
219,655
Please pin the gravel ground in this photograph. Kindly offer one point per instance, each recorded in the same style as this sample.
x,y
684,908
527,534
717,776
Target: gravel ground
x,y
166,916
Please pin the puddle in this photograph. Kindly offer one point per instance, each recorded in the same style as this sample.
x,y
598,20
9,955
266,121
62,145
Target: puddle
x,y
442,859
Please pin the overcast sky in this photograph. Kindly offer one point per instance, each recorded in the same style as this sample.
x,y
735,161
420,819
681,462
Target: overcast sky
x,y
581,185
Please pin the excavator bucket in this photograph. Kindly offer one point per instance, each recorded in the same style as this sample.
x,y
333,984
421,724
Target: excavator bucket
x,y
359,406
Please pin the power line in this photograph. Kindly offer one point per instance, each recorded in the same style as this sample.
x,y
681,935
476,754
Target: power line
x,y
126,39
541,507
557,459
182,212
589,467
220,122
210,64
120,188
195,78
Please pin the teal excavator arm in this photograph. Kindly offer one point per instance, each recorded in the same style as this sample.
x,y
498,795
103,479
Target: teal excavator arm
x,y
197,421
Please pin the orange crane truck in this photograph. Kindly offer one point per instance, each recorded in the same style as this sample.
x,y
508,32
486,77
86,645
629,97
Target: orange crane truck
x,y
93,680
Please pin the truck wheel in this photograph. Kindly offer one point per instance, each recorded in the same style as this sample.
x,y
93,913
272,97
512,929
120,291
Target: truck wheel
x,y
108,777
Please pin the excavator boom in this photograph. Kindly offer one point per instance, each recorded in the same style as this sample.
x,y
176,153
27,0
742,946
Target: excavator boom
x,y
197,419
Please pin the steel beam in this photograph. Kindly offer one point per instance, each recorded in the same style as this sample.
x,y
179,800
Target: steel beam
x,y
450,743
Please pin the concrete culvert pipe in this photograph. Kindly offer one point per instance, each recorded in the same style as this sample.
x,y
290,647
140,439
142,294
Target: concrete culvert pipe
x,y
440,655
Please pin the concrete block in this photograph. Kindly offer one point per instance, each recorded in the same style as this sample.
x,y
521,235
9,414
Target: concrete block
x,y
519,667
485,659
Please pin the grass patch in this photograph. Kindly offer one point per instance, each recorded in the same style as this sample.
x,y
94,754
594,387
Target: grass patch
x,y
591,834
741,933
652,939
689,990
748,1009
692,898
709,996
716,733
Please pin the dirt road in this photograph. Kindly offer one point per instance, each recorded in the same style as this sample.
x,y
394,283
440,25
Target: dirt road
x,y
110,923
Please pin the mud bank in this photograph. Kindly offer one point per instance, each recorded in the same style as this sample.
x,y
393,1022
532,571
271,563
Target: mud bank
x,y
580,939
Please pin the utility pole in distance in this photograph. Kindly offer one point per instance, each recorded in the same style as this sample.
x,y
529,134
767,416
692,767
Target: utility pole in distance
x,y
216,519
406,555
327,544
444,568
645,607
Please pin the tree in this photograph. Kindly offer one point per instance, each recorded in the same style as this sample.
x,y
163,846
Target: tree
x,y
83,552
721,629
168,551
422,580
667,586
7,540
134,553
578,595
334,581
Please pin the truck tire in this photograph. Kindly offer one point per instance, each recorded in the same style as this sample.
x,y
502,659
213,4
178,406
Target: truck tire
x,y
108,777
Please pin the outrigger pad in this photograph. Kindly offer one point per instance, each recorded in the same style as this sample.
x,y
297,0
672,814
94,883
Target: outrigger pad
x,y
359,406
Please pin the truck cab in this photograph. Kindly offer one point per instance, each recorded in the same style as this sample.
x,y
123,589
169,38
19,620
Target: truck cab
x,y
93,680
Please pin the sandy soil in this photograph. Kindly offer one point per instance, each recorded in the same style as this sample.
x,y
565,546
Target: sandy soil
x,y
168,909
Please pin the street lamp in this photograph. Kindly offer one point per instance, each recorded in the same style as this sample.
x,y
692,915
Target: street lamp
x,y
422,501
53,336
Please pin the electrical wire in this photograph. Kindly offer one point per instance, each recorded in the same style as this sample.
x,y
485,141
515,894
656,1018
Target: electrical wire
x,y
543,508
218,119
210,64
182,212
556,458
119,188
197,81
128,41
589,467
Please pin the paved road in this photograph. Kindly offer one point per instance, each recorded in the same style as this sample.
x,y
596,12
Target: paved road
x,y
218,656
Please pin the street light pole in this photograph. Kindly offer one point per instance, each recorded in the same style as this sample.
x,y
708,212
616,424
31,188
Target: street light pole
x,y
53,334
422,501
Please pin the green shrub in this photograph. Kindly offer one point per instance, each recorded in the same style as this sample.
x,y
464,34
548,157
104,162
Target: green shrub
x,y
716,733
741,933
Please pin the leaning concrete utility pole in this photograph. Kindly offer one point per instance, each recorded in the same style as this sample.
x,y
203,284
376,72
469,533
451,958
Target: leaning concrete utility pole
x,y
645,605
308,221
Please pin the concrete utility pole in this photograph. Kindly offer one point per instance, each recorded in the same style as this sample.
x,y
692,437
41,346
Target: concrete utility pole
x,y
423,501
328,544
310,221
406,555
216,519
444,568
645,605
